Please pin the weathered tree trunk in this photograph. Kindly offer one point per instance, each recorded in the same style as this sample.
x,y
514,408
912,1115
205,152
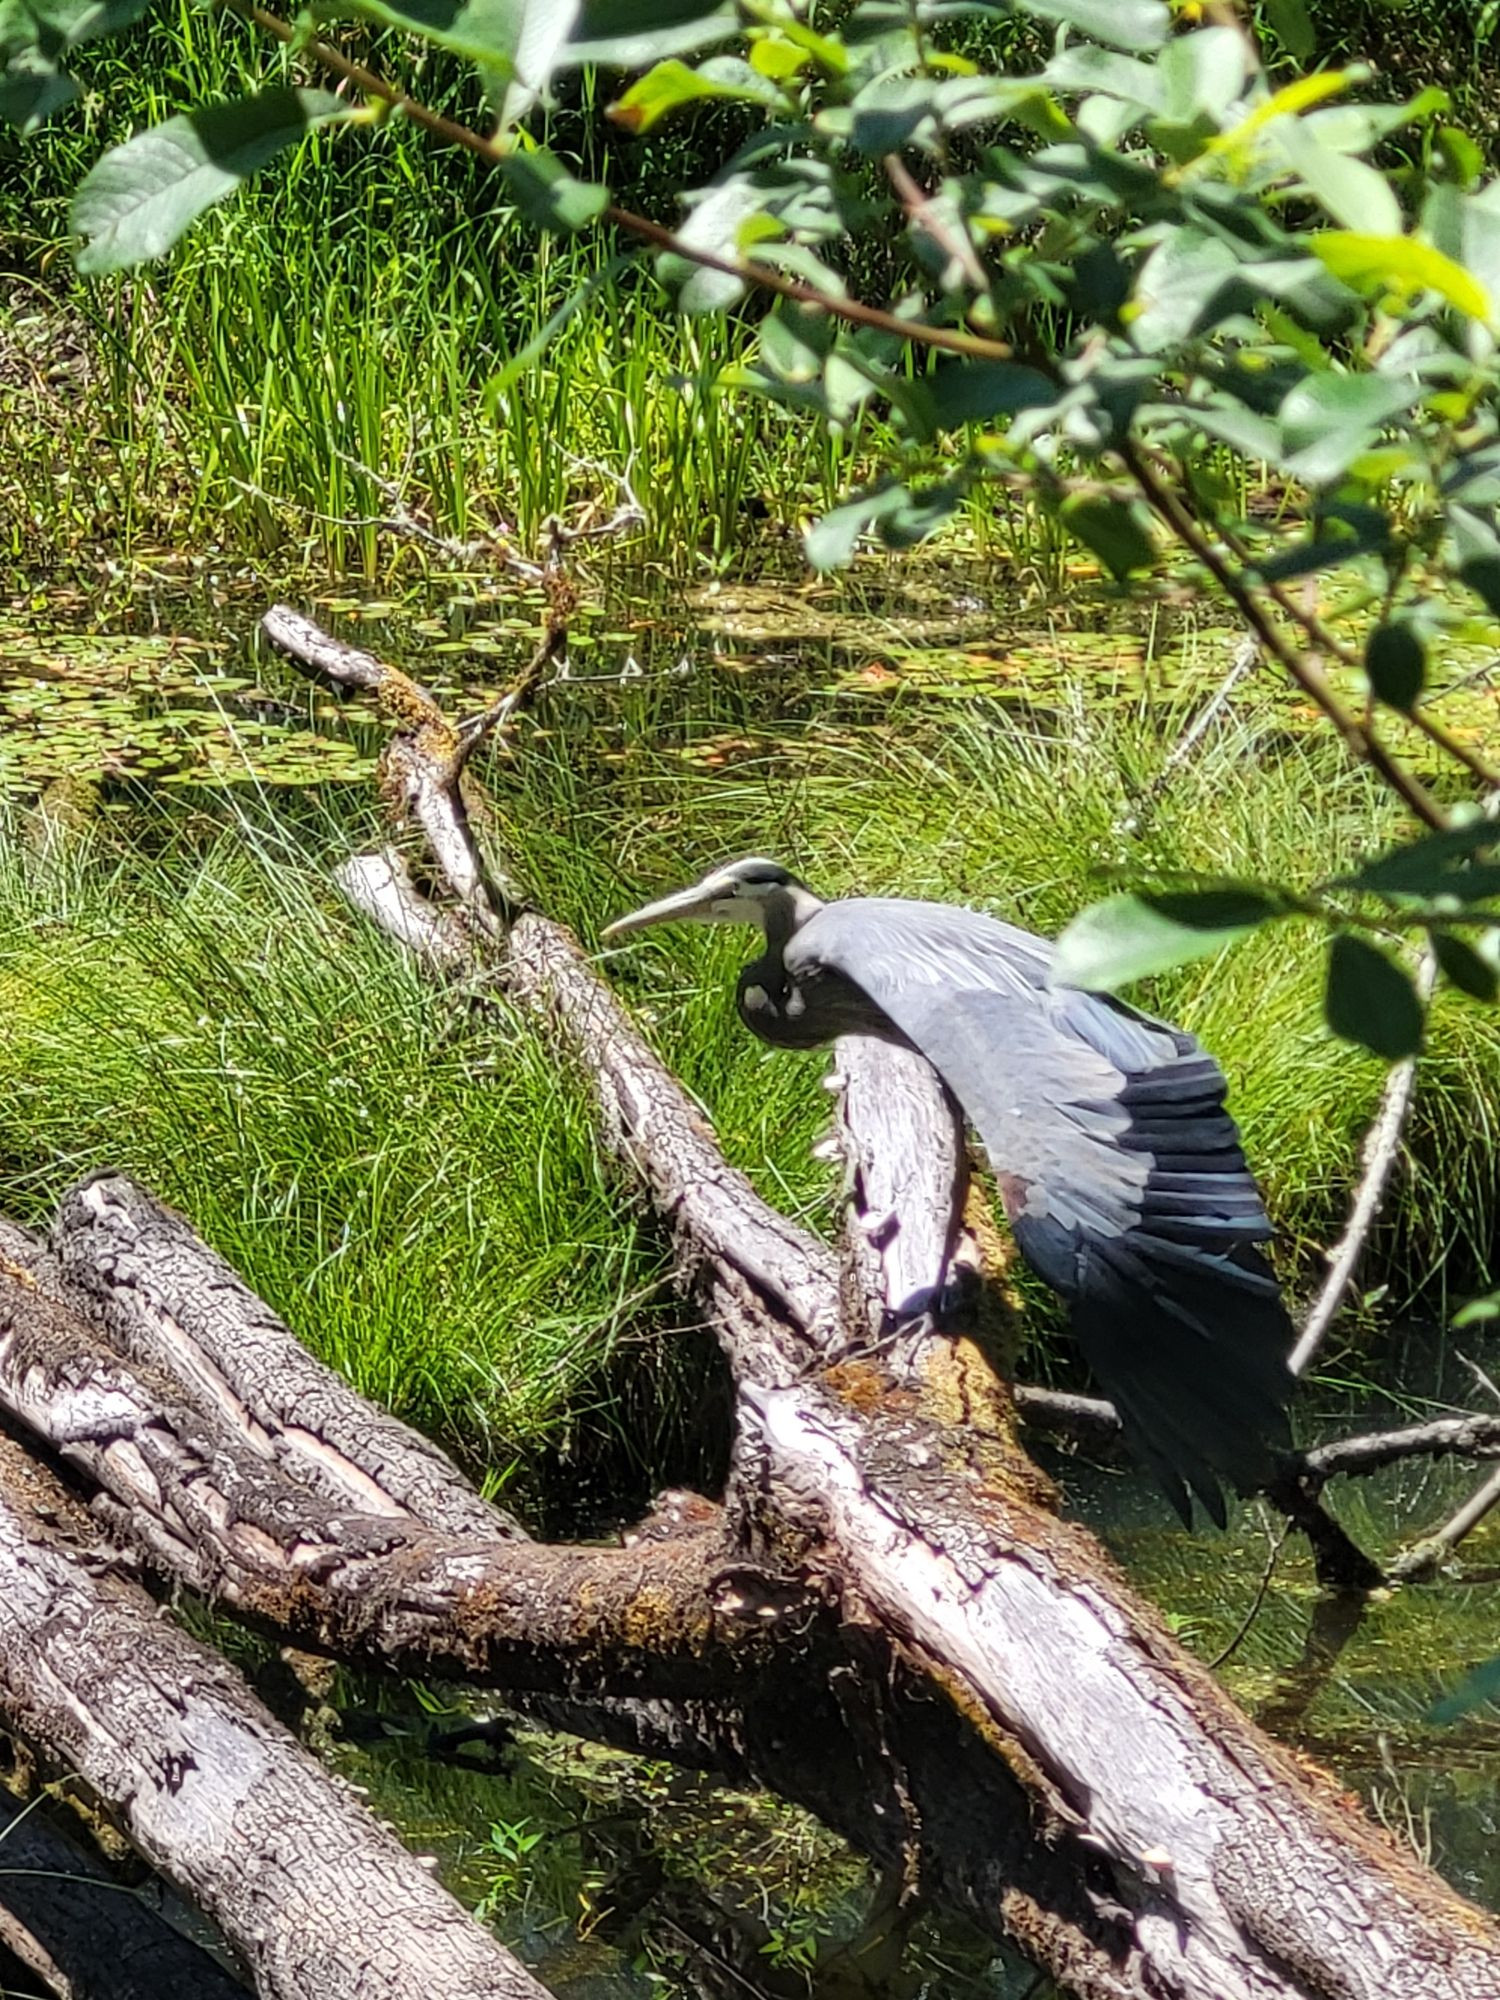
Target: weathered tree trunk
x,y
1234,1872
318,1901
886,1621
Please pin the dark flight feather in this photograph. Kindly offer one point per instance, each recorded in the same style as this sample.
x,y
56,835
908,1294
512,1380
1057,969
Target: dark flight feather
x,y
1121,1169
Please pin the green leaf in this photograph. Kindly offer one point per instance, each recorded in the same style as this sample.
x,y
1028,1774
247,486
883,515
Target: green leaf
x,y
900,516
1396,664
544,29
632,34
31,89
140,197
35,37
672,84
547,194
1477,548
1122,24
830,541
1462,966
794,345
486,32
1292,27
1483,1683
1370,999
961,392
714,222
1328,420
1357,195
1126,938
1202,75
1083,67
1402,266
1439,864
1178,284
1111,531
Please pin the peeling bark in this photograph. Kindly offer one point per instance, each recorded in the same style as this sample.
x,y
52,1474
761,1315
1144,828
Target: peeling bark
x,y
318,1901
143,1274
214,1514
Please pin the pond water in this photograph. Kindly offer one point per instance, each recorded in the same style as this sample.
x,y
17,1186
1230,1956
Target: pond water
x,y
708,722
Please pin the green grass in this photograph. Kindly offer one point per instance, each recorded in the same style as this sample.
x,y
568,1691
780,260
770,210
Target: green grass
x,y
412,1183
353,310
1020,813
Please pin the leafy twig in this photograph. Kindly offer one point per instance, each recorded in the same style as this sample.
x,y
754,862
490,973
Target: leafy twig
x,y
760,276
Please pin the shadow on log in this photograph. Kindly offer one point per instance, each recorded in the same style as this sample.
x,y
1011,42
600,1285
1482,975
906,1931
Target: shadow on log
x,y
885,1620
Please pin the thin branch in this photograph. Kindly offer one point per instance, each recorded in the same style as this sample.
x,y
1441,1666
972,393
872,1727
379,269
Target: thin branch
x,y
1377,1163
1327,641
1439,733
402,521
1444,1437
1091,1421
1361,743
1084,1419
1246,657
923,214
1278,1543
1424,1557
425,758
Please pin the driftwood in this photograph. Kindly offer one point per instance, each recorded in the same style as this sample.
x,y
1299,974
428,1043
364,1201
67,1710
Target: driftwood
x,y
316,1899
885,1619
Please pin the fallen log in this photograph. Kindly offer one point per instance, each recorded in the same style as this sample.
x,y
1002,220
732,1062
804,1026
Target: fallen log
x,y
886,1622
316,1899
233,1524
1232,1870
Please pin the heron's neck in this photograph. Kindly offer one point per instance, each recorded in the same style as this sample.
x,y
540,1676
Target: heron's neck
x,y
785,914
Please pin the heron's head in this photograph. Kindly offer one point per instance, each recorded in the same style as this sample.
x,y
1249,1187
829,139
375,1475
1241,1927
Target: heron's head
x,y
752,891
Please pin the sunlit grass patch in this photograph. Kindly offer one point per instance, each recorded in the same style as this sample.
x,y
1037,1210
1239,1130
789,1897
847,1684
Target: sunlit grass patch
x,y
409,1178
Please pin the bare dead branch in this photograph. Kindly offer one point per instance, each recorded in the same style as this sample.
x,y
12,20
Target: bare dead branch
x,y
1378,1159
1354,1457
1427,1556
1246,658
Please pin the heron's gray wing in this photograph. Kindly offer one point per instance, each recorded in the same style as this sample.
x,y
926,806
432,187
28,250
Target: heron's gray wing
x,y
1120,1168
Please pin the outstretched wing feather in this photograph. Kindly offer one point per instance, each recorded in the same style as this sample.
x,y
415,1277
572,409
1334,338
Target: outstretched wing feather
x,y
1121,1169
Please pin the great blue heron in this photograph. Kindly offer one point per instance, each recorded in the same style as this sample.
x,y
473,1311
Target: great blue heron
x,y
1119,1167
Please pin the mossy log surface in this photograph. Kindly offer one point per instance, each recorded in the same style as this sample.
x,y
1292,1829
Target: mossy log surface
x,y
883,1619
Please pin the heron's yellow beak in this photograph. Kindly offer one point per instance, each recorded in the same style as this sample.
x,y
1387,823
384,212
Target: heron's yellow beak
x,y
687,906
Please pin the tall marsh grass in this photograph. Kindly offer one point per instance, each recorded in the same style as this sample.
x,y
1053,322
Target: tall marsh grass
x,y
355,308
